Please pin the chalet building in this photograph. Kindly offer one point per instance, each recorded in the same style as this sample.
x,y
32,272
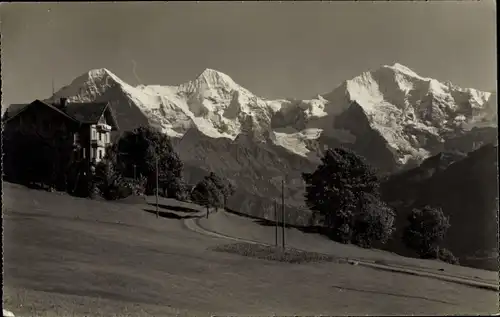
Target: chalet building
x,y
81,130
88,125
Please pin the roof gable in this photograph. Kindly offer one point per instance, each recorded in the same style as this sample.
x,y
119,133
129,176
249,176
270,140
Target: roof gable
x,y
14,109
20,108
82,112
108,117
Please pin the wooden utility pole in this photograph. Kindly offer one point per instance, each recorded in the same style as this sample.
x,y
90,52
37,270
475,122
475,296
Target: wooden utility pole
x,y
276,222
283,210
157,186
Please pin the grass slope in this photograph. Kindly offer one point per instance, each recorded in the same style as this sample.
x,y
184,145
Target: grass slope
x,y
252,229
74,257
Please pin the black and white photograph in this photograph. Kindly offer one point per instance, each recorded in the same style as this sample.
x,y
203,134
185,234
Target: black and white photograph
x,y
249,158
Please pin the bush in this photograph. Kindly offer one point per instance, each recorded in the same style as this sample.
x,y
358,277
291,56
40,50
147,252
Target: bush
x,y
445,255
111,185
118,192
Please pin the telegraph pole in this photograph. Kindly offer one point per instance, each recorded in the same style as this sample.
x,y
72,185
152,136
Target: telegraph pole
x,y
156,186
283,210
276,222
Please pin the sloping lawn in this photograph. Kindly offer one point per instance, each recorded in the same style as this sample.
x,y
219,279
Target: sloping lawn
x,y
65,256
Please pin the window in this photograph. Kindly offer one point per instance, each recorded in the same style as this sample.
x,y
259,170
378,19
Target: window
x,y
100,154
100,136
94,152
93,134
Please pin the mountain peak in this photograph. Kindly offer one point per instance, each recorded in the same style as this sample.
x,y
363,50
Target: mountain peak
x,y
89,85
208,71
101,73
400,68
212,75
212,79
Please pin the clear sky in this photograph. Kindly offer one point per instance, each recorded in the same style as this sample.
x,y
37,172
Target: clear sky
x,y
274,49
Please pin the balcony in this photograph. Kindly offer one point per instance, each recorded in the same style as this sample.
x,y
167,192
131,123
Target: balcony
x,y
102,127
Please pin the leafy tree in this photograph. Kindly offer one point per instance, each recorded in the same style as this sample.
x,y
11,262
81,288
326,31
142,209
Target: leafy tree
x,y
373,222
137,152
426,230
173,187
344,190
223,185
207,194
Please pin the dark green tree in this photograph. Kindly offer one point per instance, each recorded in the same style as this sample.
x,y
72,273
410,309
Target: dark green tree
x,y
344,189
137,152
224,185
207,194
373,221
426,230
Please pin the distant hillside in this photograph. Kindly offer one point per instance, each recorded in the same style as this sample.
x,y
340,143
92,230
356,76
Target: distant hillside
x,y
466,188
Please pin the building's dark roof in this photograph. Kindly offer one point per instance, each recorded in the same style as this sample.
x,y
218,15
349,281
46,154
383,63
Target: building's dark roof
x,y
14,109
87,112
84,112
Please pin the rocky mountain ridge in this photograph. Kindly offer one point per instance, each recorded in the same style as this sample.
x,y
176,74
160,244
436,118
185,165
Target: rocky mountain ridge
x,y
392,116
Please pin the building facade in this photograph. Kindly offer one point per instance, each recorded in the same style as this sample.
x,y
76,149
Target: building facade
x,y
81,130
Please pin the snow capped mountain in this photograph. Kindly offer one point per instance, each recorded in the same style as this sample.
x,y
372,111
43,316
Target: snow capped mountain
x,y
392,116
413,114
409,117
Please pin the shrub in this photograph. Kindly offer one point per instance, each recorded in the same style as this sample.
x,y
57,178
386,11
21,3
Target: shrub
x,y
111,185
445,255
